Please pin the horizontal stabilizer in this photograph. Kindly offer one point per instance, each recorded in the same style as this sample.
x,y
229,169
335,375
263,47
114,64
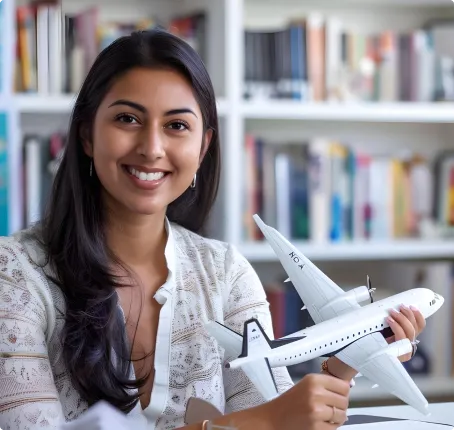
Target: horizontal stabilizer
x,y
260,374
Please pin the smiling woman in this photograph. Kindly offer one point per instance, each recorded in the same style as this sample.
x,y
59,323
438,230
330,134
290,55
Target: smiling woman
x,y
106,298
151,140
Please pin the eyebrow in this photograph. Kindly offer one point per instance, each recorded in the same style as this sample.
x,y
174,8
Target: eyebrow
x,y
142,109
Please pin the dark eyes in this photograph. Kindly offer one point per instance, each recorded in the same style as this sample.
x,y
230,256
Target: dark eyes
x,y
178,126
174,125
125,118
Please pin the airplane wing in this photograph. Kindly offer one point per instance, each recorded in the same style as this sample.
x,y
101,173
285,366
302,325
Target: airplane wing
x,y
372,357
323,298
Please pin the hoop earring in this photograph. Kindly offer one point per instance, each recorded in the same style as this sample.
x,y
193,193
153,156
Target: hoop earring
x,y
91,168
194,181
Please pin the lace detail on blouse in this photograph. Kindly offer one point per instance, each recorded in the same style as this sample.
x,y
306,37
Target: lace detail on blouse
x,y
212,281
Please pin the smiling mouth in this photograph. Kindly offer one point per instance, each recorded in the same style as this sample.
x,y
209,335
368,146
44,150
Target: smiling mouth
x,y
144,176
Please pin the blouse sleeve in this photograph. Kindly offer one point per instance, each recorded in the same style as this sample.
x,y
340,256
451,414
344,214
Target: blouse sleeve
x,y
246,299
28,396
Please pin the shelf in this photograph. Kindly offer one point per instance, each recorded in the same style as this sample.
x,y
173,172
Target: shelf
x,y
63,104
368,112
430,386
367,3
33,103
411,249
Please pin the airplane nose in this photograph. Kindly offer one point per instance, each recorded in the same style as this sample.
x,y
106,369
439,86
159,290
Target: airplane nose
x,y
441,300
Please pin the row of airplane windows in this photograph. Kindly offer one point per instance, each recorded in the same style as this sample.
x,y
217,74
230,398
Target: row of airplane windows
x,y
326,345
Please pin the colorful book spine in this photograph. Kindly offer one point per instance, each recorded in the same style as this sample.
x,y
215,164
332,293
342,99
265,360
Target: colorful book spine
x,y
3,176
2,38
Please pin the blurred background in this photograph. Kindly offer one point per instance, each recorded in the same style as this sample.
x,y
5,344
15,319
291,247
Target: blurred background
x,y
336,127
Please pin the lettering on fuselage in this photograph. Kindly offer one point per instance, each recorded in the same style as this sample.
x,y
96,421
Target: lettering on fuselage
x,y
296,260
255,337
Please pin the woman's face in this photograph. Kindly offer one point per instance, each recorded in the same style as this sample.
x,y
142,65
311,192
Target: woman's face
x,y
148,140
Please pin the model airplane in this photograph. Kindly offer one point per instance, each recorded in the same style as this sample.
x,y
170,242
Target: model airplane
x,y
343,328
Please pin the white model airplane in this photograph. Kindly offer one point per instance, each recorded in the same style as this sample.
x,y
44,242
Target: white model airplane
x,y
343,328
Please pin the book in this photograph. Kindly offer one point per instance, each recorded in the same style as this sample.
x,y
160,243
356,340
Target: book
x,y
4,219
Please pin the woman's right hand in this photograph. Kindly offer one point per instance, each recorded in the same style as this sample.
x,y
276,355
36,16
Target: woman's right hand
x,y
317,402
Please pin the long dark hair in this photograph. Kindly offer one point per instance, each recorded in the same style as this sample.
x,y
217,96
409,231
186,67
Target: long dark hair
x,y
95,346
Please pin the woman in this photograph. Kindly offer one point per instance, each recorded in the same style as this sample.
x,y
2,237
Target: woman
x,y
105,298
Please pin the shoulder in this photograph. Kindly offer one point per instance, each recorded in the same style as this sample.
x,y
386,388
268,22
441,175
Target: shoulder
x,y
211,251
14,258
23,288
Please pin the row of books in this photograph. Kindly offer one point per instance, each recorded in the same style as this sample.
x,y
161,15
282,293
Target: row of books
x,y
2,42
55,50
40,158
4,171
317,59
324,190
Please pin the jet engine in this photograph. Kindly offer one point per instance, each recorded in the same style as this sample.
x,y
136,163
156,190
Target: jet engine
x,y
362,294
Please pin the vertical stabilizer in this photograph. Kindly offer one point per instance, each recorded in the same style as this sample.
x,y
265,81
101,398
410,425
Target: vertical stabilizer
x,y
255,340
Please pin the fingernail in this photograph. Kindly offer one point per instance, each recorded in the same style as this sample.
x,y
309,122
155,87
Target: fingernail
x,y
390,320
414,308
393,311
404,307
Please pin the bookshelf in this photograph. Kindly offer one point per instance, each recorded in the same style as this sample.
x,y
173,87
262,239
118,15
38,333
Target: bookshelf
x,y
351,112
423,126
63,104
409,250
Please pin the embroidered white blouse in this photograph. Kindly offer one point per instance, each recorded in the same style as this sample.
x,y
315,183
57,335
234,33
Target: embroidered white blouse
x,y
207,280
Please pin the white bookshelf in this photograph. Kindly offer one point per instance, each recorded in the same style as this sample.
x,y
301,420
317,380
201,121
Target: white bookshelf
x,y
353,112
392,250
64,103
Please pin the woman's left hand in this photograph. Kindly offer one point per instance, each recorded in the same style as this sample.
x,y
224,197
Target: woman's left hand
x,y
408,323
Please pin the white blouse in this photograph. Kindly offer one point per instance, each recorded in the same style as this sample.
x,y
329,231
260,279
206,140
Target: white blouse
x,y
207,280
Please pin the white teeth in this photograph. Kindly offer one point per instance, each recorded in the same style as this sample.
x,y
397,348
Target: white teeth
x,y
146,176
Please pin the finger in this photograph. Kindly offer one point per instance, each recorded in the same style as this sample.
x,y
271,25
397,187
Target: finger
x,y
333,415
419,317
336,385
391,339
399,335
410,316
338,401
340,416
329,426
406,326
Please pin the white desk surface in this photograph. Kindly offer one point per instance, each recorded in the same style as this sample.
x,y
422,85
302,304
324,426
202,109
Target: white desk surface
x,y
441,413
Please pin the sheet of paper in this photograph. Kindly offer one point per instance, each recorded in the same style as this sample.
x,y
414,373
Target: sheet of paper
x,y
103,416
398,425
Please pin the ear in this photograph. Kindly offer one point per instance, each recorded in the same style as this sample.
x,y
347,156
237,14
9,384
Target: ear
x,y
205,144
86,141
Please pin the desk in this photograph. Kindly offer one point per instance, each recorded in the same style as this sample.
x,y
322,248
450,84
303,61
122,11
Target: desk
x,y
441,413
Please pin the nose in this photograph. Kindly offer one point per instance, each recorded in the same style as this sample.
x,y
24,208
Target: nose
x,y
151,145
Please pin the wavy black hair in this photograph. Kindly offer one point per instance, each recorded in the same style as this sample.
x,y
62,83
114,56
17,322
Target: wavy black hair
x,y
96,350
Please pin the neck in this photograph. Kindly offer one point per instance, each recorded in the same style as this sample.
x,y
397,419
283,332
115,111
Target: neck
x,y
135,239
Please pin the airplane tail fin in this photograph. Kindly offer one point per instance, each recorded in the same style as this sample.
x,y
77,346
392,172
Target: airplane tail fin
x,y
255,340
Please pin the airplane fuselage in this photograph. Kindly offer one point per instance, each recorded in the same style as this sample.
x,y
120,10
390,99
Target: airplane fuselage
x,y
335,334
